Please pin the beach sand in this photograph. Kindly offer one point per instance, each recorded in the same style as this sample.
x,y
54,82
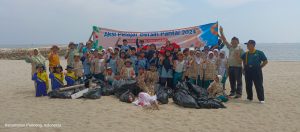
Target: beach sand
x,y
281,113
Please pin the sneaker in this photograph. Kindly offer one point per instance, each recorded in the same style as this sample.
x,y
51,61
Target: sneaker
x,y
231,94
262,102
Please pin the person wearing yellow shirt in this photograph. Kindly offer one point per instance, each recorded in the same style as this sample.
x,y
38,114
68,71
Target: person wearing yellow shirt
x,y
53,57
57,78
70,76
41,79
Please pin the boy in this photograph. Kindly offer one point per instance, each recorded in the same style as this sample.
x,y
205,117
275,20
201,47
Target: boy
x,y
78,68
98,66
70,54
109,76
53,58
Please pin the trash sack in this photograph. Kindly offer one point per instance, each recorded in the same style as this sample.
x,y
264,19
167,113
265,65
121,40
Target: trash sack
x,y
170,92
93,94
107,90
62,94
196,90
181,85
133,88
182,98
162,94
209,103
125,97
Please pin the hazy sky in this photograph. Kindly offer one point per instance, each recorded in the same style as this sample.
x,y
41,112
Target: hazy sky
x,y
61,21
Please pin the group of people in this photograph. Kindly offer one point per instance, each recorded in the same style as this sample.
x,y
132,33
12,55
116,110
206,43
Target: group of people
x,y
149,65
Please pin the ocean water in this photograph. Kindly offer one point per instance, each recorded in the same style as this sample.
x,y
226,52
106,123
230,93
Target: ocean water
x,y
273,51
279,51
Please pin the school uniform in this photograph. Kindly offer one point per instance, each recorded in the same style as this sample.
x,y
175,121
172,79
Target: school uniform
x,y
178,71
97,68
57,80
113,64
208,72
166,73
195,73
151,81
70,78
42,84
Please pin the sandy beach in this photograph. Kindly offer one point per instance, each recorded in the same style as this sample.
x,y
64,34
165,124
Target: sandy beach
x,y
18,105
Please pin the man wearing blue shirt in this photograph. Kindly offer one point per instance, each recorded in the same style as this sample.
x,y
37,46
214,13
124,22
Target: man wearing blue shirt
x,y
254,60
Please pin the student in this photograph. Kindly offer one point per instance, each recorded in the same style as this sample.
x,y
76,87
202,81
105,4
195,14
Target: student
x,y
166,64
112,62
211,58
41,80
154,60
85,58
176,49
141,80
57,78
141,62
127,72
179,68
121,60
98,66
125,45
216,54
78,68
70,54
35,58
215,89
208,72
222,66
152,78
70,76
195,69
133,57
109,76
53,57
151,51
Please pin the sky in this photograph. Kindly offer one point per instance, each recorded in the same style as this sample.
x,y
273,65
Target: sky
x,y
62,21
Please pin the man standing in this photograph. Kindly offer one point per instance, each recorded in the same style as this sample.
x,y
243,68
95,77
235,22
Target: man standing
x,y
254,60
235,65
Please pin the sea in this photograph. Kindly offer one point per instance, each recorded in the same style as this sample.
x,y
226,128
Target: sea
x,y
273,51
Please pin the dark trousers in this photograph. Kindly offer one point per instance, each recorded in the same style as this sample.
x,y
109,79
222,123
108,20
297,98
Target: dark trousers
x,y
235,79
169,82
254,75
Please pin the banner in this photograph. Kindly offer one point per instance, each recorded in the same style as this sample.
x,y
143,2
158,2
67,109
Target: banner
x,y
197,36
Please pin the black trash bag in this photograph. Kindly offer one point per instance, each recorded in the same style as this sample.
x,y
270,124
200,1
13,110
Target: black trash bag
x,y
107,90
60,94
125,97
93,94
183,98
197,91
170,92
132,87
210,103
161,94
181,85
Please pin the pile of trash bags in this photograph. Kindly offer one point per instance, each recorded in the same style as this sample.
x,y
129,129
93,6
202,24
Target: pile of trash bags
x,y
192,96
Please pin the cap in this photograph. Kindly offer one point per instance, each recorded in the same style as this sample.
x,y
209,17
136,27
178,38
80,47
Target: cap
x,y
69,67
251,42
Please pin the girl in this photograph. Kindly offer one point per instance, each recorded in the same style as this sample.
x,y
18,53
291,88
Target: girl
x,y
222,66
41,79
70,76
215,89
179,68
211,58
166,64
141,62
127,72
195,69
208,72
57,78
